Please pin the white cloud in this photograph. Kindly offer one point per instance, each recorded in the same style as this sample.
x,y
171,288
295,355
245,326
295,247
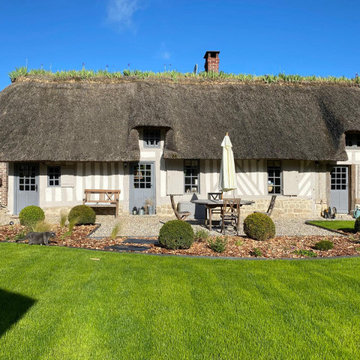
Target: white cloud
x,y
121,12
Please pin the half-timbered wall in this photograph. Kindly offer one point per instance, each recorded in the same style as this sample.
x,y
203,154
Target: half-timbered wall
x,y
75,178
354,163
309,190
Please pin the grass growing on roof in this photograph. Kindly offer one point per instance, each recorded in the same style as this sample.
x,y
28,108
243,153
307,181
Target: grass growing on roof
x,y
95,305
23,72
344,225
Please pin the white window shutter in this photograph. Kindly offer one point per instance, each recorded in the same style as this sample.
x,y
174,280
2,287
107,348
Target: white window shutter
x,y
174,176
290,177
67,176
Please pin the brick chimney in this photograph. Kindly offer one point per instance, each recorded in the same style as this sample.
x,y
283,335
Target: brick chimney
x,y
212,61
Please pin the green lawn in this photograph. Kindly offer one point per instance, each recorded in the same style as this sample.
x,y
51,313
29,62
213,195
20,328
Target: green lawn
x,y
57,303
344,225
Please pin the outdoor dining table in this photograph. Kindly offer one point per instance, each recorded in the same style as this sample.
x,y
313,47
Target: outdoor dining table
x,y
212,204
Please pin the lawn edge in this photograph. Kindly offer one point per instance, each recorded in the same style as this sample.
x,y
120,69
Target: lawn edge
x,y
308,222
198,256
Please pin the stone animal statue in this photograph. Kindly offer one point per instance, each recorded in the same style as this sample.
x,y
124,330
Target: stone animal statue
x,y
38,238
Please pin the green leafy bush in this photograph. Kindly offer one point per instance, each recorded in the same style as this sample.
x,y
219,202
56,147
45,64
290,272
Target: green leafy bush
x,y
324,245
219,244
83,214
357,225
20,236
256,252
307,253
259,226
30,215
176,234
201,235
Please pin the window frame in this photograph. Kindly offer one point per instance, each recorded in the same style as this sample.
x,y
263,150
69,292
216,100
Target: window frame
x,y
142,176
151,134
190,185
51,172
273,165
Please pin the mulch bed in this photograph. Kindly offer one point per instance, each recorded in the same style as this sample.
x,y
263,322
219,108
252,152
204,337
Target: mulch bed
x,y
277,248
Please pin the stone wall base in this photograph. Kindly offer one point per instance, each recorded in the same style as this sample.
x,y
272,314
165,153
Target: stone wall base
x,y
164,210
52,214
285,207
4,183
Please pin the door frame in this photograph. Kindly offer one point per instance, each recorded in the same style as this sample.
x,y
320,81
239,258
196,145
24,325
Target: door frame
x,y
131,181
349,185
16,184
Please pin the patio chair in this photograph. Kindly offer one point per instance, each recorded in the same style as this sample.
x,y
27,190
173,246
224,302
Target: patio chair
x,y
230,212
180,215
215,195
270,208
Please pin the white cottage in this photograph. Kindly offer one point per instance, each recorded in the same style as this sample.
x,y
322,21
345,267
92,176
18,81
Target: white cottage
x,y
150,138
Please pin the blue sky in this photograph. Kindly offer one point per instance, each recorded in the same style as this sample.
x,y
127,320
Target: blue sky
x,y
318,37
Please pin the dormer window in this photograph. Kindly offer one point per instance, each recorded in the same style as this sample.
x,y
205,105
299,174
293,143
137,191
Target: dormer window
x,y
352,140
152,137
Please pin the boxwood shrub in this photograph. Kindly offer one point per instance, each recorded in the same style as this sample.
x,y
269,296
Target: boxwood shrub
x,y
324,245
176,234
82,215
259,226
31,215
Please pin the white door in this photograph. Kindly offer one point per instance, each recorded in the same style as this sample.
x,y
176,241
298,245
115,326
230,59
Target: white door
x,y
339,193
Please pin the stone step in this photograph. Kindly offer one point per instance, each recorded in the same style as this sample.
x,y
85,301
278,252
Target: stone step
x,y
140,241
127,248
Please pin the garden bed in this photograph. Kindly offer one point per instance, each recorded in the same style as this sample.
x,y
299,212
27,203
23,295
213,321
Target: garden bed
x,y
277,248
78,237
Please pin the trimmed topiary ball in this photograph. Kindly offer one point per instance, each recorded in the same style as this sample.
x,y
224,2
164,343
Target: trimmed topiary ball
x,y
176,234
357,225
324,245
31,215
259,226
83,214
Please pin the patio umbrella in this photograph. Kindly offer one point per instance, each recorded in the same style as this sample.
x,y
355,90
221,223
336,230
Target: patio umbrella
x,y
227,180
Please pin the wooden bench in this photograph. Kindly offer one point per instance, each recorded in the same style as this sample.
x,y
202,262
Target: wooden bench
x,y
104,198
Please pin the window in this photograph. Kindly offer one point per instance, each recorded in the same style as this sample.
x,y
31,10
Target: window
x,y
339,178
274,177
352,140
152,137
27,177
191,172
142,176
54,175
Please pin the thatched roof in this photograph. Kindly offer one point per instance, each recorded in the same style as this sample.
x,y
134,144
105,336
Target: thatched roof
x,y
84,121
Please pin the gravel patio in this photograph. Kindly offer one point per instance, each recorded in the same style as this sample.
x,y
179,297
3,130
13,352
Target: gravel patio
x,y
149,226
